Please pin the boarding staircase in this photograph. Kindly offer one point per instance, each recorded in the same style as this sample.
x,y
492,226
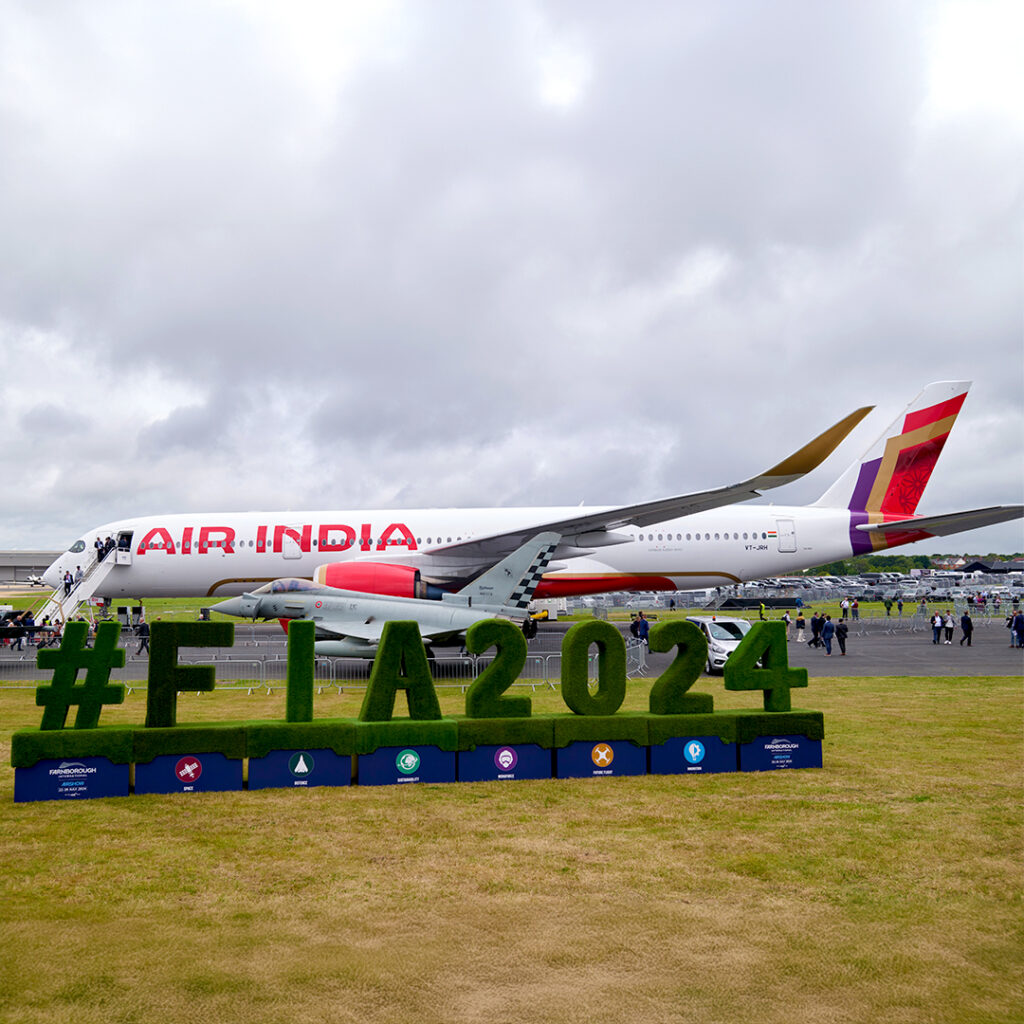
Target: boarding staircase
x,y
61,608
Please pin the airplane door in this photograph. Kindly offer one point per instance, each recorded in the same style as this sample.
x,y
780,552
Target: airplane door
x,y
123,551
290,546
787,534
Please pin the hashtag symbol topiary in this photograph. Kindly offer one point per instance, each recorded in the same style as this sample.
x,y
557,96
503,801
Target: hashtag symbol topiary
x,y
66,661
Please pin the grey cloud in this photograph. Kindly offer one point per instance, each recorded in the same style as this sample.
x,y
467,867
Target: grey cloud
x,y
424,261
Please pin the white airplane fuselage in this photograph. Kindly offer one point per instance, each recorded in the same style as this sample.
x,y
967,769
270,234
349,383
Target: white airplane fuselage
x,y
708,538
225,554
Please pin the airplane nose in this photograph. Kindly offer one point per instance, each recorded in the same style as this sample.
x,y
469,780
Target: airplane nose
x,y
245,607
52,576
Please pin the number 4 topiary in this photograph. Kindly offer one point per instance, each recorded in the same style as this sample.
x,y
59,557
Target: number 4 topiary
x,y
765,643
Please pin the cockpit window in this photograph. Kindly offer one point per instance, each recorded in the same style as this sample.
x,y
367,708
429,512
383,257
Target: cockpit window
x,y
79,545
287,586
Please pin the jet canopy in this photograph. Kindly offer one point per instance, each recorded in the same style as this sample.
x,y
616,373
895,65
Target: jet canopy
x,y
288,585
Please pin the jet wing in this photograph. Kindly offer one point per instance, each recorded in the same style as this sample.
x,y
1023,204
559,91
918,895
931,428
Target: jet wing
x,y
594,528
371,627
952,522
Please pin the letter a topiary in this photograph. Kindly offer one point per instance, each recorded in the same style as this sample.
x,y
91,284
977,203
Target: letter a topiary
x,y
401,664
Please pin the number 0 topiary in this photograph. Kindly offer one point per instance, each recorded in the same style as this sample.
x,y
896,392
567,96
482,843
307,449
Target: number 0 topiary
x,y
611,668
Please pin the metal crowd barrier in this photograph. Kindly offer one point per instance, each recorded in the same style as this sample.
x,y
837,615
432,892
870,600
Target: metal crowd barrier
x,y
270,673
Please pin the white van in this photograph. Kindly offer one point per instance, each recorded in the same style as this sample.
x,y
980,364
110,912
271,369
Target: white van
x,y
723,636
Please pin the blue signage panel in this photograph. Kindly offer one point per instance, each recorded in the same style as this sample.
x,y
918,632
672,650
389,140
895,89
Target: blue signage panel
x,y
389,766
770,752
300,768
188,773
584,759
497,762
686,755
72,778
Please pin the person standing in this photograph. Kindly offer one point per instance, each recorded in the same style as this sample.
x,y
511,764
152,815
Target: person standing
x,y
643,628
801,625
844,605
937,628
968,628
841,630
949,623
855,610
899,606
16,641
816,624
788,621
827,632
142,632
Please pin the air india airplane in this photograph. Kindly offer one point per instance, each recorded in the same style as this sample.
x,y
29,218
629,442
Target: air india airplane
x,y
687,542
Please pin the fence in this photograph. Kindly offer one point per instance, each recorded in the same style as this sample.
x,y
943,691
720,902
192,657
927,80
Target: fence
x,y
270,673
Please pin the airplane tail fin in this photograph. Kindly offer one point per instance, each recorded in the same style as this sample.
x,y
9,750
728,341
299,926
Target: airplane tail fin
x,y
886,483
890,477
513,580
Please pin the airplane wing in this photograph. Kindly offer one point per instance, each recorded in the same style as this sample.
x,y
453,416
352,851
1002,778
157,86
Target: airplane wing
x,y
952,522
594,528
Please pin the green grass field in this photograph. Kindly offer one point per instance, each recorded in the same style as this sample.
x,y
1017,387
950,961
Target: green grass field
x,y
178,609
885,887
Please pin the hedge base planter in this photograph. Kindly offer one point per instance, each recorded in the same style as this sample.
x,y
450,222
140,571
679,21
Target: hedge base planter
x,y
693,755
285,769
390,766
505,762
71,779
585,759
768,753
189,773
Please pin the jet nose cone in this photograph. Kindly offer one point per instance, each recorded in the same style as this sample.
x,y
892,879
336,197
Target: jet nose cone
x,y
244,607
52,576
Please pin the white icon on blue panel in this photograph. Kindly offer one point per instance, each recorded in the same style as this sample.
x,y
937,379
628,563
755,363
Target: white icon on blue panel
x,y
694,752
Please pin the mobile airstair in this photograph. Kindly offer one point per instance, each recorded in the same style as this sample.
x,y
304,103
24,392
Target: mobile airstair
x,y
61,607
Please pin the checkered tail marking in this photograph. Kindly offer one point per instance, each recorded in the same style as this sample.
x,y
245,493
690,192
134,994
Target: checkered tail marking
x,y
523,593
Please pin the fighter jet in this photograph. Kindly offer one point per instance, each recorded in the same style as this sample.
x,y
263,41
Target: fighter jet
x,y
349,623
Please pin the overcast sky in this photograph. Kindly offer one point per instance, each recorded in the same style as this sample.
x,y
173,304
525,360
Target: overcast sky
x,y
265,255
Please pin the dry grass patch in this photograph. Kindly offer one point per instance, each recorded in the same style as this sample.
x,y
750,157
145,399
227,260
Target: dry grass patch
x,y
886,886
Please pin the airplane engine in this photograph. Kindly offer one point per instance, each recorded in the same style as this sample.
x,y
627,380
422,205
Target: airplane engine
x,y
376,578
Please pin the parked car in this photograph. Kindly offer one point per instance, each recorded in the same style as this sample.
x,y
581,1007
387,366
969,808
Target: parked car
x,y
723,636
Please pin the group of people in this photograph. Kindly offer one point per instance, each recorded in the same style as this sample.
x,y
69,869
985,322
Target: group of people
x,y
1015,624
70,582
33,634
103,547
50,633
823,631
944,623
640,628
